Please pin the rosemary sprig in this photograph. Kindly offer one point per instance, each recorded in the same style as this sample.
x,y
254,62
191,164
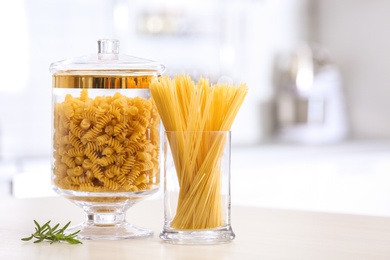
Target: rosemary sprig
x,y
52,234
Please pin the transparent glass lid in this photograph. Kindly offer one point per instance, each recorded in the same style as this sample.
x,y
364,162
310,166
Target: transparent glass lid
x,y
107,60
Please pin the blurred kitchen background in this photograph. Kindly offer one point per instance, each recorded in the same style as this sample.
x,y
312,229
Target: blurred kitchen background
x,y
313,133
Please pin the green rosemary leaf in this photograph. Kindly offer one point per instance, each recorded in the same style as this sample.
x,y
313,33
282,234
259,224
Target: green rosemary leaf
x,y
39,240
45,227
38,228
74,234
73,241
65,227
48,233
53,229
27,238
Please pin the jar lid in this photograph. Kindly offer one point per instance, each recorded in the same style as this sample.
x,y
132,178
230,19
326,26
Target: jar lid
x,y
107,61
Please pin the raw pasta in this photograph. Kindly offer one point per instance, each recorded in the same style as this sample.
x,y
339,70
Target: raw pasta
x,y
196,118
105,144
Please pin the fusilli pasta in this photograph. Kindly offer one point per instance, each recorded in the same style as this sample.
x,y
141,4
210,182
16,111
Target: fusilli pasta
x,y
106,143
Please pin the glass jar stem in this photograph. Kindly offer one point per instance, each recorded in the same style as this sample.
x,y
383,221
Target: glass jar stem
x,y
105,218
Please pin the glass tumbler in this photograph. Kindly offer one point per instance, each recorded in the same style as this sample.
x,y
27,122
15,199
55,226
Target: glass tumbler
x,y
197,187
106,138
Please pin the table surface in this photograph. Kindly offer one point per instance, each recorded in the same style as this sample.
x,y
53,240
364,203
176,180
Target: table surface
x,y
260,234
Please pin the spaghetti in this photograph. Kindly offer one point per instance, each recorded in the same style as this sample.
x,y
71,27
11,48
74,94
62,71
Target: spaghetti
x,y
196,118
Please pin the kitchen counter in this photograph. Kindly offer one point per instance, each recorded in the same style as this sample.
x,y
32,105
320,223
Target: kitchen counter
x,y
261,233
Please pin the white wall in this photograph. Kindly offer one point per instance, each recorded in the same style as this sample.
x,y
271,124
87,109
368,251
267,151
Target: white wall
x,y
357,35
252,32
54,30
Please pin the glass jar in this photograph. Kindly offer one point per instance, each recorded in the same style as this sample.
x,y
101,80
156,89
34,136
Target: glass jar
x,y
197,187
106,138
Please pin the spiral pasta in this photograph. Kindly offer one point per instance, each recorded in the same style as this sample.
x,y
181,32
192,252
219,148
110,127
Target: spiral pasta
x,y
104,144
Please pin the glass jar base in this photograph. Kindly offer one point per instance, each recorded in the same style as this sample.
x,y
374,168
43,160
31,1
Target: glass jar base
x,y
106,214
119,231
198,237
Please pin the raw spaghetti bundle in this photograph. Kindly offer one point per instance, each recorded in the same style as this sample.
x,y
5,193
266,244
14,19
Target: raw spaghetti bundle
x,y
194,116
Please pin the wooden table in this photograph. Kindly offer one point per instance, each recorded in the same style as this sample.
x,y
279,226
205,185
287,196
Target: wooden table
x,y
260,234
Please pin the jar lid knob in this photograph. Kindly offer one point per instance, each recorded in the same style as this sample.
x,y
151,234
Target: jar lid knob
x,y
108,46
